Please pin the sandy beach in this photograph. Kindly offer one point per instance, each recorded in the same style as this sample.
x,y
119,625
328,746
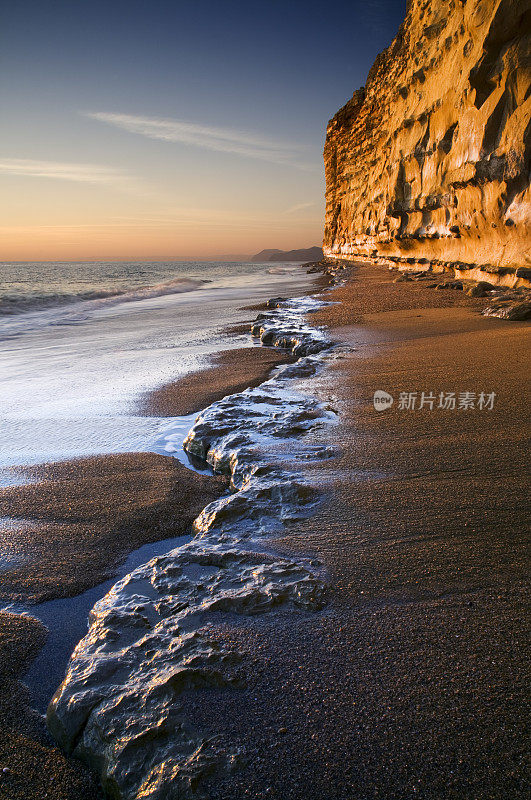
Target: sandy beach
x,y
68,526
264,405
80,519
34,767
230,371
411,681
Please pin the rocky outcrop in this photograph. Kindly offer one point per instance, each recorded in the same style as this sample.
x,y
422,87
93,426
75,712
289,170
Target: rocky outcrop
x,y
125,706
429,162
150,644
286,326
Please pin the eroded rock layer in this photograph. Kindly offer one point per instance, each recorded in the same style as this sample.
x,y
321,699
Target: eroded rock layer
x,y
430,161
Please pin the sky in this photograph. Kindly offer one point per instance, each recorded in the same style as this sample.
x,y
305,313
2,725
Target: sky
x,y
166,130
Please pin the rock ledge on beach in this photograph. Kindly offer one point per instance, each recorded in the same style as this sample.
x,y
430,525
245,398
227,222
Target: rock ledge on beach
x,y
122,706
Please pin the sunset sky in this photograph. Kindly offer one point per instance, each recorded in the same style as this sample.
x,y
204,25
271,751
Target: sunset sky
x,y
159,130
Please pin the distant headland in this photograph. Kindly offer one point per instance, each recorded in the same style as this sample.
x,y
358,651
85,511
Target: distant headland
x,y
304,254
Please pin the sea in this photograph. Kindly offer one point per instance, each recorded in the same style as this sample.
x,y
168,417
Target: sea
x,y
80,343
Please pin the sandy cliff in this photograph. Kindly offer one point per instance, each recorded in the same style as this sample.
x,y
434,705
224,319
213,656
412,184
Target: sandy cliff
x,y
430,160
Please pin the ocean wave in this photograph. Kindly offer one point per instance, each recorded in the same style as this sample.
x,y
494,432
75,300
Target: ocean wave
x,y
12,303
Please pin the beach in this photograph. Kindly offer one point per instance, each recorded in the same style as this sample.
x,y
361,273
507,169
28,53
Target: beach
x,y
412,682
408,680
77,511
264,401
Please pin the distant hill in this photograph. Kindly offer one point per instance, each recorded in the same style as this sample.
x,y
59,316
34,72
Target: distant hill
x,y
305,254
264,255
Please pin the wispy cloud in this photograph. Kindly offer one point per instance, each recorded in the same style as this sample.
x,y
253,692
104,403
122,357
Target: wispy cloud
x,y
223,140
190,217
298,207
82,173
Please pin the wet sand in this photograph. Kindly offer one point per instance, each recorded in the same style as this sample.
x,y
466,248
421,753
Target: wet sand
x,y
413,681
70,529
67,530
229,371
373,289
36,768
79,519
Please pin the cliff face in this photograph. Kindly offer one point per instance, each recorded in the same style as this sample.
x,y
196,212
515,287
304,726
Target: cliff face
x,y
431,159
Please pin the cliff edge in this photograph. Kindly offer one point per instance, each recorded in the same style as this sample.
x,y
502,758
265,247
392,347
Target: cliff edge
x,y
429,162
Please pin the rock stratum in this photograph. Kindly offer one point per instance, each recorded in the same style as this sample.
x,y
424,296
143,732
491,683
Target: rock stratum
x,y
429,162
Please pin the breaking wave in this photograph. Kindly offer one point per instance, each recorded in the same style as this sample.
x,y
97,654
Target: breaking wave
x,y
12,303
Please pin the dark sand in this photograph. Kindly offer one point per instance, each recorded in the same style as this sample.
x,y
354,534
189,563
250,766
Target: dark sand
x,y
71,529
230,371
413,681
37,769
82,517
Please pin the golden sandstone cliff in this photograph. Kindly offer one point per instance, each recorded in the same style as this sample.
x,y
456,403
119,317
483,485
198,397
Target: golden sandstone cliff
x,y
429,162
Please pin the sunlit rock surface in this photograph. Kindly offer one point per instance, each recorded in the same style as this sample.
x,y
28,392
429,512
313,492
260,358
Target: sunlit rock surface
x,y
151,639
232,436
430,160
511,310
286,327
119,706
